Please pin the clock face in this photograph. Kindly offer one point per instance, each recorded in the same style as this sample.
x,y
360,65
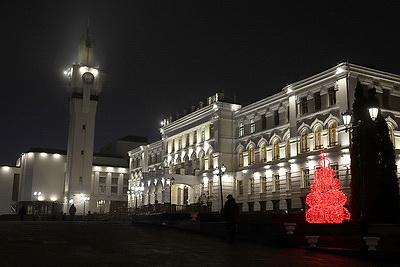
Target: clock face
x,y
88,78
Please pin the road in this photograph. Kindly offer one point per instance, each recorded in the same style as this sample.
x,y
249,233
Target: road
x,y
81,243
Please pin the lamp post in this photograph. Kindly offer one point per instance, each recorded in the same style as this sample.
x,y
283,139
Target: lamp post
x,y
220,171
170,182
37,194
84,199
358,130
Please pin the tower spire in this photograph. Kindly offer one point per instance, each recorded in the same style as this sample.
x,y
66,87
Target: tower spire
x,y
86,48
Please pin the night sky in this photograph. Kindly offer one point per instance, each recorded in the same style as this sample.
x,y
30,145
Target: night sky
x,y
163,56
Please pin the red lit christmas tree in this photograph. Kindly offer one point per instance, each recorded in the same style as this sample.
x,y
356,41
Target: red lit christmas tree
x,y
326,200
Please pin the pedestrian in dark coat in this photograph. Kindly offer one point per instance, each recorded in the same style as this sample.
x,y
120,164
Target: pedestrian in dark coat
x,y
72,211
22,213
231,213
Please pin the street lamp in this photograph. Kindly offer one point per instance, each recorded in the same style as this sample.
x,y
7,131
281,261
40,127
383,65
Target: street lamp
x,y
170,182
220,171
37,194
84,199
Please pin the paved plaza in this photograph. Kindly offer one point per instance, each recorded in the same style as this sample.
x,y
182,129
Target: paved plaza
x,y
84,243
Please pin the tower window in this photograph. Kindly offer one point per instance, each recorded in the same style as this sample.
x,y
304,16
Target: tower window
x,y
83,127
82,152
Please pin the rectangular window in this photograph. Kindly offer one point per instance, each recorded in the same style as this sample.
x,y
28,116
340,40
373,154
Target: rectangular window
x,y
241,129
210,186
264,184
195,137
304,105
252,126
288,180
276,118
211,131
251,183
263,122
276,183
332,96
306,177
102,189
203,134
114,181
335,167
317,101
180,143
239,187
114,189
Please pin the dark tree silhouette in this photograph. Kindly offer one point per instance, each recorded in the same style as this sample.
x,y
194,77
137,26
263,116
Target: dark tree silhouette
x,y
374,185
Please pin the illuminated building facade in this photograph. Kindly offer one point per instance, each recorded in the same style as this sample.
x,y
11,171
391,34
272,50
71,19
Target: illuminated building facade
x,y
270,148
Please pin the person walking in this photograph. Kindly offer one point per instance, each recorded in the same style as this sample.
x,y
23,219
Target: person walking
x,y
231,214
72,211
22,213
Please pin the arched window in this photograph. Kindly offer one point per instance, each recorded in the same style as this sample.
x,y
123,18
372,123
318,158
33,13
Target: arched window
x,y
318,137
263,153
287,148
202,162
210,162
304,141
275,154
333,141
251,155
240,158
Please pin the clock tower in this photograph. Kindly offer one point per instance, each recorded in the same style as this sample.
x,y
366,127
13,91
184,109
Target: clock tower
x,y
84,86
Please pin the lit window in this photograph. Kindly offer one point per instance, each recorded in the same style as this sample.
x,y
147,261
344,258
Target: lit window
x,y
304,142
251,183
276,150
264,184
318,137
252,126
288,180
333,135
251,155
263,154
306,177
240,158
276,183
239,187
241,129
287,148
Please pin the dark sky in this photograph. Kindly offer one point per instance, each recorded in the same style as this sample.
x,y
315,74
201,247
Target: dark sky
x,y
163,56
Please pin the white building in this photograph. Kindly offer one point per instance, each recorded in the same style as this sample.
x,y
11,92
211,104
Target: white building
x,y
270,148
47,181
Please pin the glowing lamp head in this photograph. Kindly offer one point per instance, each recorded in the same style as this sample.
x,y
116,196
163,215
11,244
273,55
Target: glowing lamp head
x,y
373,113
346,118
